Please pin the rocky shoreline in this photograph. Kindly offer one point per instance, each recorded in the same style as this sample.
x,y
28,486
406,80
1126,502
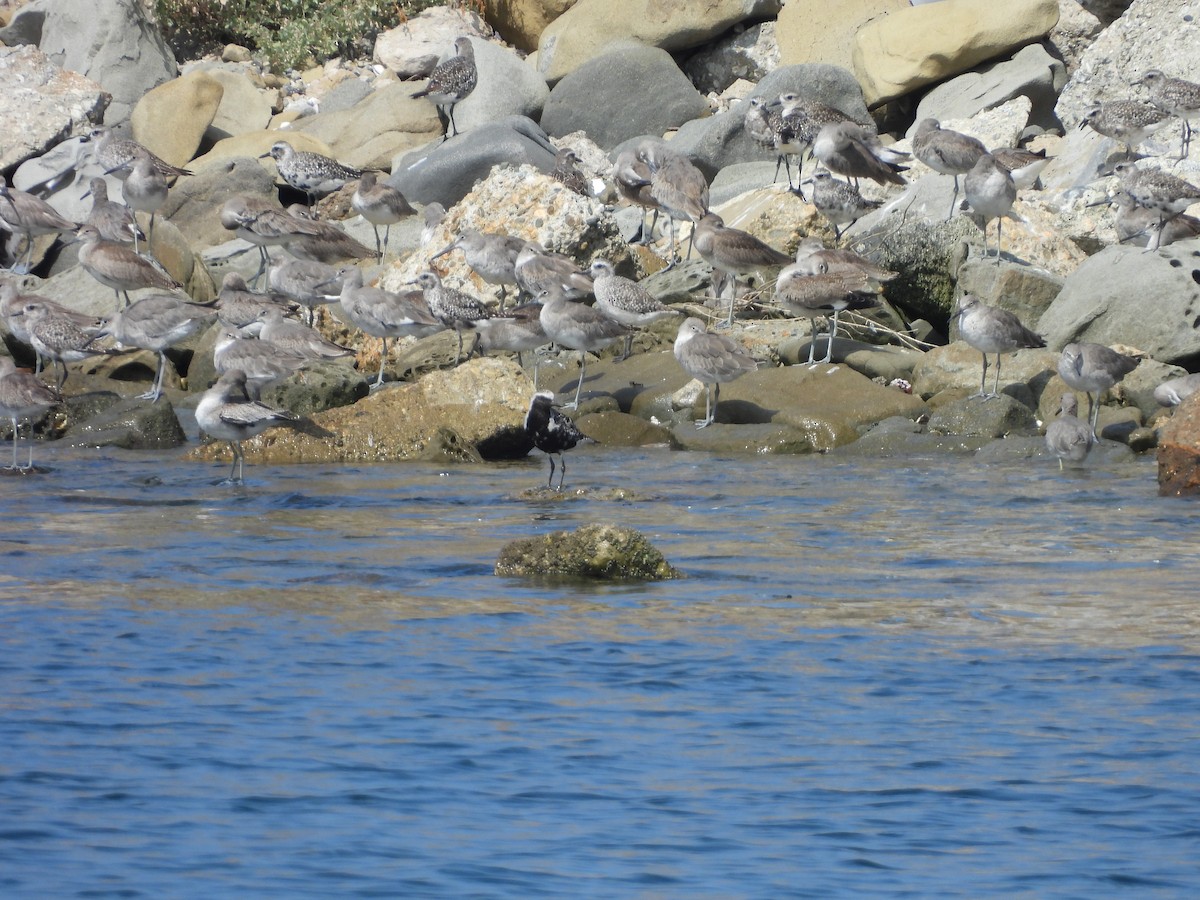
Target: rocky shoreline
x,y
599,80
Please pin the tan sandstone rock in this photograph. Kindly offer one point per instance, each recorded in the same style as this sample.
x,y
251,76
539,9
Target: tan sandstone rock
x,y
909,48
817,31
521,22
172,118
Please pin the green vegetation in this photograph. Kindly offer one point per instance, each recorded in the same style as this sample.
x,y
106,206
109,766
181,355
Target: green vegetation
x,y
285,33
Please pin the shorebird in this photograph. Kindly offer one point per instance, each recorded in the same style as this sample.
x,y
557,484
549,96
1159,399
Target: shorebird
x,y
29,216
1067,437
118,267
1024,165
298,338
1159,191
577,326
115,221
814,258
632,178
227,412
23,396
625,301
325,243
824,294
260,361
733,253
1176,390
946,152
239,307
991,193
313,173
854,151
519,330
566,172
1178,97
758,125
431,217
1128,121
144,188
1135,224
383,314
12,306
311,284
990,329
839,201
456,309
796,123
1093,368
62,338
380,204
537,270
154,323
493,257
713,359
451,81
264,224
551,432
112,153
677,187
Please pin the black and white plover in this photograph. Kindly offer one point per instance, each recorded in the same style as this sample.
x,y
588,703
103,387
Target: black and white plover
x,y
839,202
29,216
551,432
1067,437
227,412
733,253
626,301
23,396
451,81
313,173
1127,121
991,192
1093,368
713,360
990,329
380,204
1178,97
577,326
947,152
824,294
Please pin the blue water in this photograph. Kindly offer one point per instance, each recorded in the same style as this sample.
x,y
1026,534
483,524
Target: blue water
x,y
938,678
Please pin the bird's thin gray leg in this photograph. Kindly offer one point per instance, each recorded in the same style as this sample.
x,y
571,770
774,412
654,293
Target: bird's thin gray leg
x,y
574,404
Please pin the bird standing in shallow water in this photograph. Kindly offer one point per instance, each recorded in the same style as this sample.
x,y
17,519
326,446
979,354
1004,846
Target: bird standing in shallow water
x,y
1067,437
23,396
551,432
227,412
712,359
1093,368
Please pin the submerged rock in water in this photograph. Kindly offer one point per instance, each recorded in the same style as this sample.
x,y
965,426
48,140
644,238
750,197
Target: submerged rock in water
x,y
605,552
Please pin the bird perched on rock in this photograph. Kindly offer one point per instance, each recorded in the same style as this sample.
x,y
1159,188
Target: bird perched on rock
x,y
626,301
795,123
577,326
538,270
1178,97
29,216
145,188
118,267
551,432
456,309
814,258
566,172
677,187
733,252
1024,165
520,329
227,412
854,151
1142,227
712,359
1161,192
58,336
823,294
991,192
1093,368
260,361
839,201
1128,121
296,337
113,220
1067,437
114,154
493,257
313,173
23,396
946,152
380,204
239,307
452,80
632,179
326,243
990,329
1175,390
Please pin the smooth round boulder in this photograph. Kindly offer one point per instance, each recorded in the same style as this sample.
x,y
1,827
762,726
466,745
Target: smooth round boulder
x,y
171,119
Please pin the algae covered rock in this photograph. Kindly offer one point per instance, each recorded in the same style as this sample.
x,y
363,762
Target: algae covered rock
x,y
603,551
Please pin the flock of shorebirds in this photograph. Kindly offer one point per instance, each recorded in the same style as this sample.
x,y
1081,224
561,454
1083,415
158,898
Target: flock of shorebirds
x,y
260,340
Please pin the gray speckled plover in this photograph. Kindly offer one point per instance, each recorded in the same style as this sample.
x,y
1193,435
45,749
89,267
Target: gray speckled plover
x,y
1178,97
1093,368
380,204
839,201
566,172
451,81
990,329
227,412
1067,437
713,360
946,152
1143,227
733,253
626,301
456,309
1161,192
62,338
23,396
1127,121
991,192
551,432
313,173
113,154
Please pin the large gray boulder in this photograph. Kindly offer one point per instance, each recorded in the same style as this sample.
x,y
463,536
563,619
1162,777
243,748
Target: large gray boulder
x,y
112,42
507,87
628,91
719,141
1123,295
445,172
